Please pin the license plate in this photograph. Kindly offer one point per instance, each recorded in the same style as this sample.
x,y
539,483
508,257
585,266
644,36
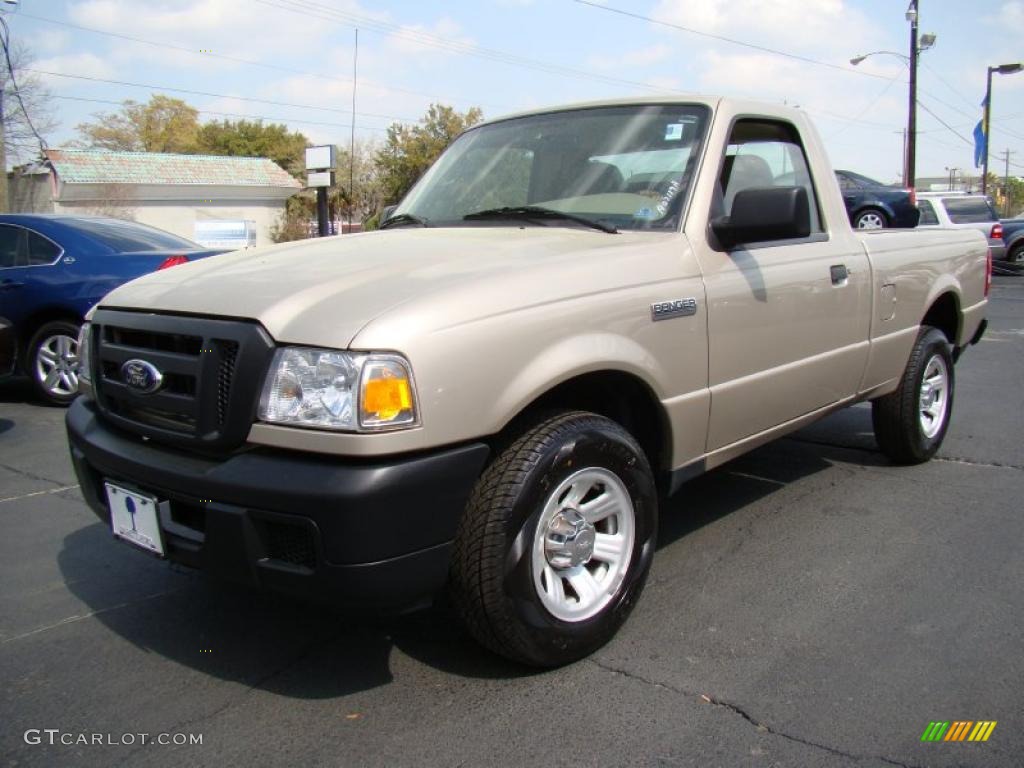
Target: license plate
x,y
134,517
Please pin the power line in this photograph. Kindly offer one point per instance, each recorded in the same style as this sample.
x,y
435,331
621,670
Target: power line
x,y
235,59
316,10
215,95
868,106
730,40
947,84
946,125
236,114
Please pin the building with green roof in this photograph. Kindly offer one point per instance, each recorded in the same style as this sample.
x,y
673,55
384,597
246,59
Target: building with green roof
x,y
172,192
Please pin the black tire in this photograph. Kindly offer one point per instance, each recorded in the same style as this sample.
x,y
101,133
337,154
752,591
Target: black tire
x,y
1016,254
494,584
897,417
66,389
867,215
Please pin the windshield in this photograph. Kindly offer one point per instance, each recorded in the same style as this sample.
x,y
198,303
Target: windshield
x,y
626,166
128,237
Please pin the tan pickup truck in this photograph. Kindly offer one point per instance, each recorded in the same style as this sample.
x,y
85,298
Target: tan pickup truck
x,y
572,312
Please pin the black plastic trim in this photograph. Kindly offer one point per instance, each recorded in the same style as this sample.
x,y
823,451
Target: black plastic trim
x,y
382,528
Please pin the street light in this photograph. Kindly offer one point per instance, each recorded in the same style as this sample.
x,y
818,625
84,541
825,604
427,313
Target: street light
x,y
1002,69
927,41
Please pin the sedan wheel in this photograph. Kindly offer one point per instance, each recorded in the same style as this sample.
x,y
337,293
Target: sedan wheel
x,y
53,362
871,220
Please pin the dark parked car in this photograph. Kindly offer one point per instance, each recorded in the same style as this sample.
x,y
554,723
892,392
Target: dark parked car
x,y
53,269
871,204
1013,236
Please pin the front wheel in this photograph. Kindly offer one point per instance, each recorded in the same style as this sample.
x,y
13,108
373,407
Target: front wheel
x,y
52,362
911,422
555,544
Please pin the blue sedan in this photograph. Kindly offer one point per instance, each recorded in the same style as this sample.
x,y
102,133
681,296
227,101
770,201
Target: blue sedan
x,y
871,204
53,269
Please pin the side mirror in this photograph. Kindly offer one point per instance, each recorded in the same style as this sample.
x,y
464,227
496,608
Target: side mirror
x,y
386,212
765,213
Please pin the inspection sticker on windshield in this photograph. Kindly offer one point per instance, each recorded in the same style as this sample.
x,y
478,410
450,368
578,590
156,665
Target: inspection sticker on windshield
x,y
673,132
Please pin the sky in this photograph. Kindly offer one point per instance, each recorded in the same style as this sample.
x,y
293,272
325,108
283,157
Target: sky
x,y
291,61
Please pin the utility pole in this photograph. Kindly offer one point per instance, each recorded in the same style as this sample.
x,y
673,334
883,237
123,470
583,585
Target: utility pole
x,y
4,202
911,170
1006,182
352,138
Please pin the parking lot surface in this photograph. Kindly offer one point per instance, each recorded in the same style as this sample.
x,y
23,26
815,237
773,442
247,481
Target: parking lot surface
x,y
810,604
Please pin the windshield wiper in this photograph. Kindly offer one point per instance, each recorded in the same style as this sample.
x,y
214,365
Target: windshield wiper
x,y
405,218
538,212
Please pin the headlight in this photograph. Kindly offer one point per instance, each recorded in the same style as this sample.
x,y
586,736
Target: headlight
x,y
346,391
84,373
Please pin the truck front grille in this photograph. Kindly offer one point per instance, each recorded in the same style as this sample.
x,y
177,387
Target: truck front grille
x,y
211,371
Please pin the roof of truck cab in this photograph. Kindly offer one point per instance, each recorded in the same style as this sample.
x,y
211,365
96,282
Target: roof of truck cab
x,y
741,106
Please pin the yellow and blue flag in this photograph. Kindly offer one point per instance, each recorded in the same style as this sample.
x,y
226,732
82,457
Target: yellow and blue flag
x,y
981,137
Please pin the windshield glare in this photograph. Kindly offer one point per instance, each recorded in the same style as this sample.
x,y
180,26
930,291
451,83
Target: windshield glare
x,y
629,166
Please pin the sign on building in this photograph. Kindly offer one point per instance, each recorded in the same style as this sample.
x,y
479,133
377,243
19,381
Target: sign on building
x,y
226,233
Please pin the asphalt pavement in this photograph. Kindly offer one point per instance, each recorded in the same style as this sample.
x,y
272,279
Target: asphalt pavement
x,y
810,605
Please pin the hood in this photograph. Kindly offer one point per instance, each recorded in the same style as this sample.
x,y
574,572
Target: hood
x,y
323,291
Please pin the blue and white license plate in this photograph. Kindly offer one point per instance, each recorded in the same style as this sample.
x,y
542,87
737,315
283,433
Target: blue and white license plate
x,y
135,518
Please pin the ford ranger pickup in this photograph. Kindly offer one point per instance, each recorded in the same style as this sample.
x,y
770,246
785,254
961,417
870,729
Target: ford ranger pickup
x,y
574,311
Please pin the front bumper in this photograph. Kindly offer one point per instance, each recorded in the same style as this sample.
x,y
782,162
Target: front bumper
x,y
370,533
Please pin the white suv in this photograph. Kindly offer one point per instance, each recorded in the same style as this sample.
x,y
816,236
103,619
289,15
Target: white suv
x,y
957,210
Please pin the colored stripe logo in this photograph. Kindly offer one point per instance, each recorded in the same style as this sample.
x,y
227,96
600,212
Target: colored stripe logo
x,y
959,730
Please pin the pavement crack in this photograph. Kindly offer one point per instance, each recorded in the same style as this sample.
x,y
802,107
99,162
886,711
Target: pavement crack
x,y
972,463
736,709
88,615
29,475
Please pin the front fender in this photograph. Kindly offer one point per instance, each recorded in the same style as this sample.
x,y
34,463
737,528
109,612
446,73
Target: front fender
x,y
575,356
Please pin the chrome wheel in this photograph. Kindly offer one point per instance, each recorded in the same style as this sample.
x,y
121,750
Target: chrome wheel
x,y
583,544
934,395
56,365
870,220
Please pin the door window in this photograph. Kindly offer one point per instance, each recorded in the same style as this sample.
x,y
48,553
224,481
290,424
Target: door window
x,y
9,254
765,154
41,251
928,216
969,210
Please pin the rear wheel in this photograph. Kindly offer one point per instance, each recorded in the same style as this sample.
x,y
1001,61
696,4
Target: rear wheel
x,y
52,362
871,218
555,544
1016,254
911,422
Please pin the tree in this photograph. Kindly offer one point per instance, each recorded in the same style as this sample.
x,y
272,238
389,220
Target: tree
x,y
20,141
252,138
164,124
367,194
410,149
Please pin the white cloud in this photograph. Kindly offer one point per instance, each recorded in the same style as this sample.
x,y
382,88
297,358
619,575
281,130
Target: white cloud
x,y
81,64
417,39
231,27
800,24
1009,16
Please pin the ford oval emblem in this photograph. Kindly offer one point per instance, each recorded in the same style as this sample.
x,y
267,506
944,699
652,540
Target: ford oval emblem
x,y
141,376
